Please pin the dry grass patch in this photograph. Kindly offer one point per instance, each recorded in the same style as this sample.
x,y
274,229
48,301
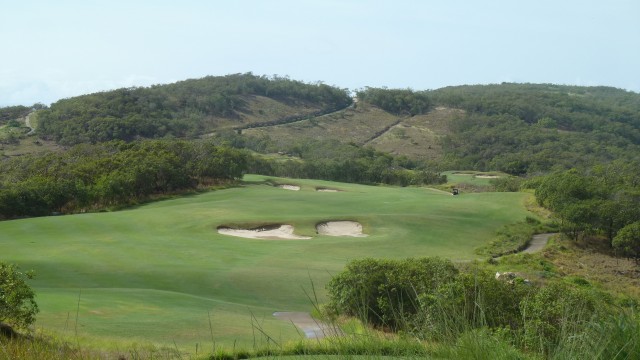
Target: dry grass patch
x,y
356,125
593,260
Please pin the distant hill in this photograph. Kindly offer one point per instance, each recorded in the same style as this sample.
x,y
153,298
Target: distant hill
x,y
186,109
515,128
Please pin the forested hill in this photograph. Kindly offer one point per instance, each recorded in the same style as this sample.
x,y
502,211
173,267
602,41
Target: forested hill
x,y
515,128
186,108
525,128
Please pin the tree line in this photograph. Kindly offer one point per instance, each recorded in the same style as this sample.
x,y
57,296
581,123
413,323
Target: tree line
x,y
332,160
89,177
397,101
602,200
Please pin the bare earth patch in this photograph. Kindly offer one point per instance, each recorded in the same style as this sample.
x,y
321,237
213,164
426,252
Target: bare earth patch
x,y
273,232
290,187
312,328
340,228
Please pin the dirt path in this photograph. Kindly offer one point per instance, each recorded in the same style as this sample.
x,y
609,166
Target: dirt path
x,y
312,328
385,130
27,123
292,120
538,242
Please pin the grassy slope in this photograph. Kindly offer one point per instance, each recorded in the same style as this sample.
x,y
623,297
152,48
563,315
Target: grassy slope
x,y
260,109
416,136
155,272
356,125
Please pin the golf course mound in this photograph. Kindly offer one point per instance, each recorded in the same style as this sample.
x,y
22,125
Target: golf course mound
x,y
289,187
340,228
265,232
324,189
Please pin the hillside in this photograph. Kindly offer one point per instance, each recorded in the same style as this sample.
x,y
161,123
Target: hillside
x,y
186,109
515,128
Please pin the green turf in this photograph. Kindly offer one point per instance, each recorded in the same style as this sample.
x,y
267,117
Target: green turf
x,y
157,273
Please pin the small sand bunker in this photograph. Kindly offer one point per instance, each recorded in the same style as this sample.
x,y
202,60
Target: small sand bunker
x,y
289,187
327,190
340,228
269,232
487,176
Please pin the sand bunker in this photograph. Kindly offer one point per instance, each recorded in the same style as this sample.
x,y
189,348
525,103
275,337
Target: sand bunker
x,y
270,232
340,228
327,190
289,187
487,176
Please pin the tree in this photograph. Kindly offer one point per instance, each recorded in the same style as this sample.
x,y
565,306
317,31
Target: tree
x,y
17,305
628,240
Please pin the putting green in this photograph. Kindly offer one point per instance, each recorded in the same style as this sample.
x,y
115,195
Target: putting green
x,y
159,272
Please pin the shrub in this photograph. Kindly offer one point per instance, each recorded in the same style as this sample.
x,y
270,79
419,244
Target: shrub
x,y
386,292
17,305
555,313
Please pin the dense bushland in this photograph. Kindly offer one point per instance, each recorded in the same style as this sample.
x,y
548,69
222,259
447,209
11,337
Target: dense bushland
x,y
397,101
111,174
431,299
177,109
528,128
601,200
13,113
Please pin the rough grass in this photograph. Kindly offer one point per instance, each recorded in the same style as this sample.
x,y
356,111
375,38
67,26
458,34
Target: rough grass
x,y
260,109
416,137
356,125
161,274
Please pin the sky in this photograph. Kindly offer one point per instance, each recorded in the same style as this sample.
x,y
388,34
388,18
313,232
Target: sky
x,y
57,49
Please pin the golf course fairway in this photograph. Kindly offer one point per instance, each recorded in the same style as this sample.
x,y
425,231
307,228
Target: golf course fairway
x,y
161,273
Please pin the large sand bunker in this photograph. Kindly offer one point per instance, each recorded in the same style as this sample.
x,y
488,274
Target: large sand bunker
x,y
340,228
267,232
487,176
289,187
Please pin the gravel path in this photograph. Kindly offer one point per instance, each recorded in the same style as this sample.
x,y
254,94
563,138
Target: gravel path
x,y
538,242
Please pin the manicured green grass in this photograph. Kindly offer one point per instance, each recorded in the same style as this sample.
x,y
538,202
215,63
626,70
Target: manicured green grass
x,y
159,272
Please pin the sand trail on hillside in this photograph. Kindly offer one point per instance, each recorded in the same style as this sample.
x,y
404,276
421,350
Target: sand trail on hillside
x,y
340,228
272,232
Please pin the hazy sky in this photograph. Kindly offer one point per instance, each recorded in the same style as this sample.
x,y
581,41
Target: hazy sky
x,y
55,49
